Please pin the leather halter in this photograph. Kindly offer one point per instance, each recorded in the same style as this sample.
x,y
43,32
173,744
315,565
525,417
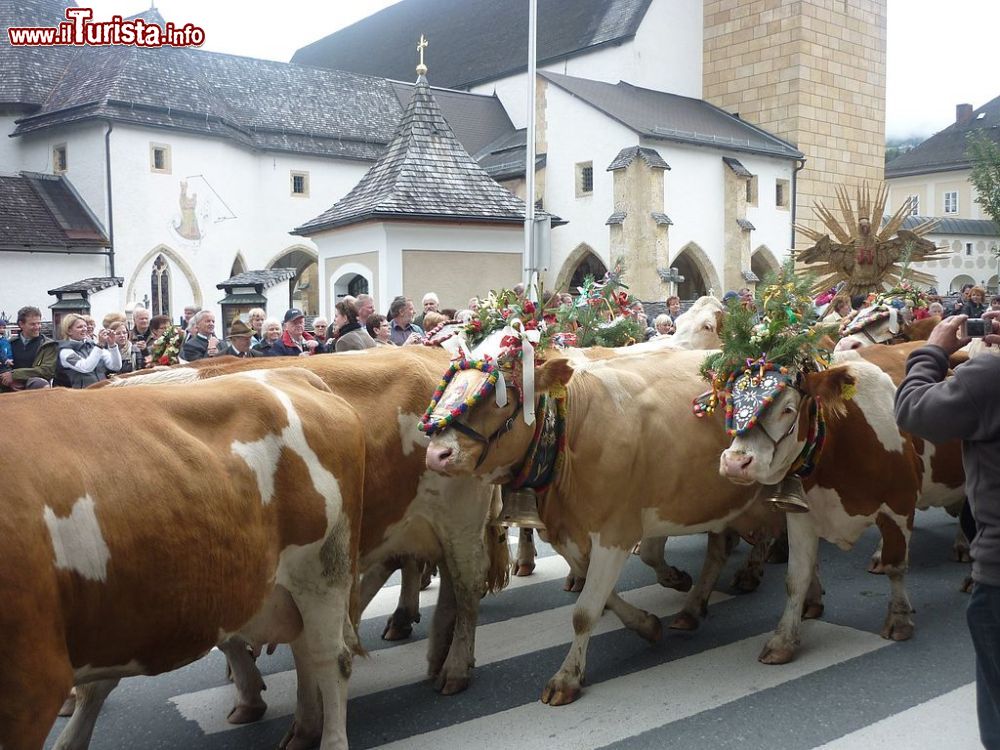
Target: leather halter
x,y
493,439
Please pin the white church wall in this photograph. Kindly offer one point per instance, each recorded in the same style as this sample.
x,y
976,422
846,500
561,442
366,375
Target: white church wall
x,y
358,248
772,225
25,278
578,133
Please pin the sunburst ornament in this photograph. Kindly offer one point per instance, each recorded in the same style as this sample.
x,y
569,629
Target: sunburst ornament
x,y
866,258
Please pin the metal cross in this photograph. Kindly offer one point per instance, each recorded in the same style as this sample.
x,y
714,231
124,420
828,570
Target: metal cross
x,y
420,48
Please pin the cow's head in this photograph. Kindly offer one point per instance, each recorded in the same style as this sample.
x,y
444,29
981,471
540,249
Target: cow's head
x,y
701,326
877,324
488,437
771,432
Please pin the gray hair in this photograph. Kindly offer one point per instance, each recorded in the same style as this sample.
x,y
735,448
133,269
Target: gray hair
x,y
199,316
397,306
430,297
663,319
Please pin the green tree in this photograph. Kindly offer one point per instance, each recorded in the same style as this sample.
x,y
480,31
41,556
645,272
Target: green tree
x,y
985,177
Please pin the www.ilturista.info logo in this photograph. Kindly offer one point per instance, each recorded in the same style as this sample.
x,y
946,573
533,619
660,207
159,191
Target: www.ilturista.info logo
x,y
80,29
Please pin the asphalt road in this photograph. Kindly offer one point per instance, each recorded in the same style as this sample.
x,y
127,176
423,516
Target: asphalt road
x,y
848,689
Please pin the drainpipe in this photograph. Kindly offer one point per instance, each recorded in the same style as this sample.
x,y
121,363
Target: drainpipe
x,y
111,215
799,165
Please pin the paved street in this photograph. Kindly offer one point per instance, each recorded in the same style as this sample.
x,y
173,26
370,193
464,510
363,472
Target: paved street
x,y
848,690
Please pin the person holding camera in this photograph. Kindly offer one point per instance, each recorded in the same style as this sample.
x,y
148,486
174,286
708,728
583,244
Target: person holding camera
x,y
966,407
82,362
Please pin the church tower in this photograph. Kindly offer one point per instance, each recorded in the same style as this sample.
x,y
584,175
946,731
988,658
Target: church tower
x,y
811,72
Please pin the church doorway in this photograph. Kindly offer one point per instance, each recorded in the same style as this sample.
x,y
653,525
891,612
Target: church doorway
x,y
699,276
763,263
589,265
350,284
303,289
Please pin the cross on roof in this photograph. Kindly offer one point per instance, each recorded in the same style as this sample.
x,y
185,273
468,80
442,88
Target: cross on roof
x,y
421,46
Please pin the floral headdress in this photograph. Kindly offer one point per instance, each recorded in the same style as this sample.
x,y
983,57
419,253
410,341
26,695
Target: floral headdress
x,y
903,298
764,349
167,347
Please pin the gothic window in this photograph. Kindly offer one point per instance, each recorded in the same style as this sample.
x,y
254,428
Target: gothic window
x,y
160,287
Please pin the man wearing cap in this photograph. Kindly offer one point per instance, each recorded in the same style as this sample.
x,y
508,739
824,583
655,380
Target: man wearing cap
x,y
294,341
238,344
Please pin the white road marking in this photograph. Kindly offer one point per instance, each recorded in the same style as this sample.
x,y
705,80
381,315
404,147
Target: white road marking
x,y
406,664
77,540
654,697
922,727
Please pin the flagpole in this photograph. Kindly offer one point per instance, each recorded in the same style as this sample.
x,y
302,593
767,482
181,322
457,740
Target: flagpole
x,y
530,261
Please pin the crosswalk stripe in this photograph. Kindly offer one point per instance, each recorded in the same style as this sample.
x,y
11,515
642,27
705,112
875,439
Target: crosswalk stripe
x,y
922,727
406,664
623,707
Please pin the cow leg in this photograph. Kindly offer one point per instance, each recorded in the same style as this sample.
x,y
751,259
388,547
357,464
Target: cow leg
x,y
79,729
35,679
606,564
452,649
651,552
803,545
748,577
400,625
247,680
898,622
642,622
696,605
960,551
525,563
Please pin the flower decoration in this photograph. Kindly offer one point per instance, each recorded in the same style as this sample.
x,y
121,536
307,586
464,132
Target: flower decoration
x,y
435,421
167,347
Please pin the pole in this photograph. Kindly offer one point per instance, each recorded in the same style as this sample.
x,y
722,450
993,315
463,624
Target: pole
x,y
529,164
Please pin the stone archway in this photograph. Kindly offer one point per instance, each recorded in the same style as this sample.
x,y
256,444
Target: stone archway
x,y
351,278
138,284
581,262
763,263
239,266
700,276
304,287
959,281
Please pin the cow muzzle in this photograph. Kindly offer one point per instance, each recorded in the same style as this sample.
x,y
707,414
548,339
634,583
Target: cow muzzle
x,y
440,457
736,466
849,343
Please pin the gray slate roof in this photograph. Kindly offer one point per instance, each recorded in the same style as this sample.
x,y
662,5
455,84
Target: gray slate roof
x,y
618,217
472,41
257,103
505,158
264,279
976,227
946,150
746,225
424,174
738,169
44,211
627,155
661,219
89,286
670,117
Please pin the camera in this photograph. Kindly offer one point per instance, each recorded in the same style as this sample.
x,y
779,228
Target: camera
x,y
976,328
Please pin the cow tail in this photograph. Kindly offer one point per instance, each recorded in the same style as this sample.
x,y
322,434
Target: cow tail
x,y
498,551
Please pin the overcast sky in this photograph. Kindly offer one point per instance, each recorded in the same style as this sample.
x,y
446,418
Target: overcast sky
x,y
939,53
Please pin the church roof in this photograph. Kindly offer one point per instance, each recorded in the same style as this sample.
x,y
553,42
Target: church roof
x,y
947,150
474,41
89,286
423,174
951,226
257,103
671,117
44,211
265,278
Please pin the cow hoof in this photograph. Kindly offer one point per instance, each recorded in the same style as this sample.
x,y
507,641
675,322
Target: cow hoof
x,y
396,632
775,655
558,693
966,587
244,714
524,569
685,621
574,583
961,554
675,579
294,740
69,705
451,685
875,567
651,629
746,581
812,610
898,631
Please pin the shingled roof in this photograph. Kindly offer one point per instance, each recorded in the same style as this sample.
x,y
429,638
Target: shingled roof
x,y
473,41
44,211
670,117
424,174
946,151
29,73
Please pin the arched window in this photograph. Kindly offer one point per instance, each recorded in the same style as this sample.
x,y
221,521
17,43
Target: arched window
x,y
357,285
589,265
159,291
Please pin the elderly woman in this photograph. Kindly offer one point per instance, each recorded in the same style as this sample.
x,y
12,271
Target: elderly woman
x,y
351,336
255,318
82,362
378,328
270,331
132,358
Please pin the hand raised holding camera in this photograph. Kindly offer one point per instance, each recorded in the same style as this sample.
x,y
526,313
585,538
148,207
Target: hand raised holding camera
x,y
950,334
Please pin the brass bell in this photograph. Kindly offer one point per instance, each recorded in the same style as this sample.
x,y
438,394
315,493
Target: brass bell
x,y
520,508
788,496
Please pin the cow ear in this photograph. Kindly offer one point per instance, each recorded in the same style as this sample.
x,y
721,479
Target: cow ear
x,y
553,375
834,388
720,320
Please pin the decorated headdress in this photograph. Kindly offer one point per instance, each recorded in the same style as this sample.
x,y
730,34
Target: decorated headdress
x,y
765,348
903,300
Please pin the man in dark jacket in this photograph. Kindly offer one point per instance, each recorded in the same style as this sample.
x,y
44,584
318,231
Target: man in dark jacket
x,y
966,407
202,341
294,341
34,355
238,344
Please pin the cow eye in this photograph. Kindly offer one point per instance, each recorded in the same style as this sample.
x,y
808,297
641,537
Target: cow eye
x,y
788,410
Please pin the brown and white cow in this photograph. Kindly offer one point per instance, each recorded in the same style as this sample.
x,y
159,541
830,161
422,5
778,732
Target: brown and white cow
x,y
244,522
891,327
612,490
409,512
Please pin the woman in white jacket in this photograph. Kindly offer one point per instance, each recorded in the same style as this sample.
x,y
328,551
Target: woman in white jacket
x,y
81,361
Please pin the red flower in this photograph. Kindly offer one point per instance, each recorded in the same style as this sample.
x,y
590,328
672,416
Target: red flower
x,y
509,342
529,307
531,325
549,318
164,360
505,313
477,324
